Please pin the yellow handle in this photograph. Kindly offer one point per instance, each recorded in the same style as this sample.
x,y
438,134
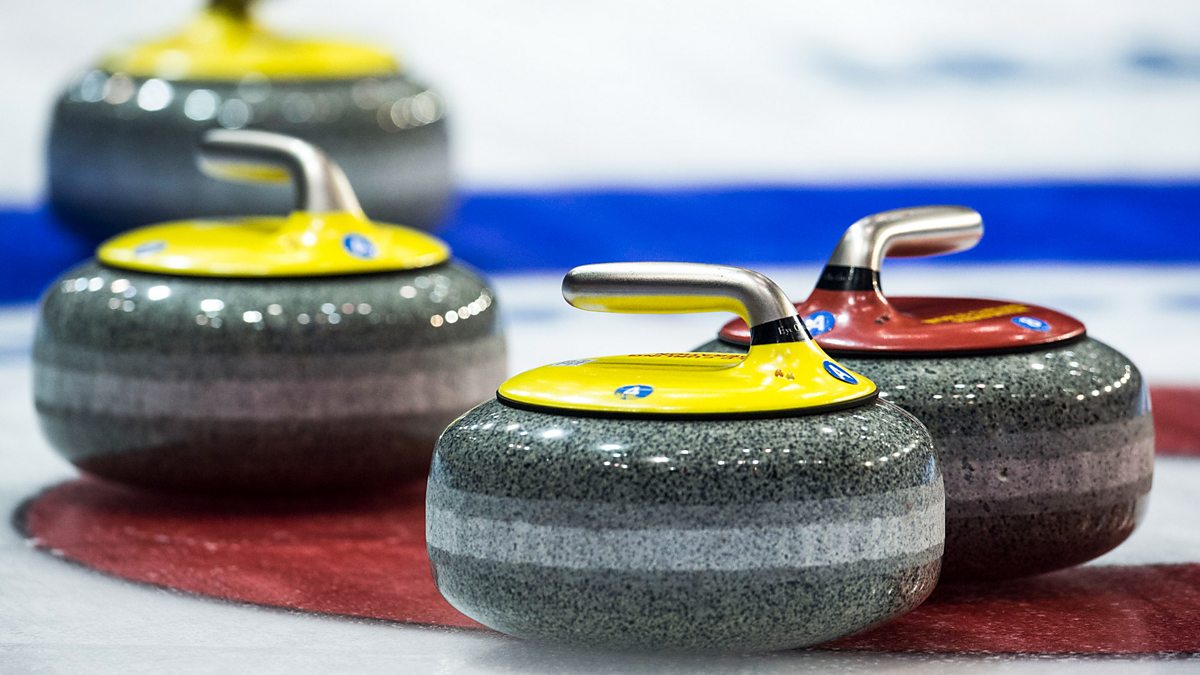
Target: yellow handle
x,y
261,156
784,371
677,288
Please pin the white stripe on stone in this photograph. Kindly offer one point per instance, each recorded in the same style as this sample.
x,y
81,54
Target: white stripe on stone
x,y
683,550
451,377
1000,478
604,515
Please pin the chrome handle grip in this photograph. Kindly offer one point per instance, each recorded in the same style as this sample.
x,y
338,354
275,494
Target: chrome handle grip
x,y
910,232
259,156
675,288
237,9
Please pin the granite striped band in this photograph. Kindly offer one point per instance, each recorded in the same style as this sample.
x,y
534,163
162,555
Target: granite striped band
x,y
449,376
733,542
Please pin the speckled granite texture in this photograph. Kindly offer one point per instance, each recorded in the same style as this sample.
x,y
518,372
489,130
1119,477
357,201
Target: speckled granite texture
x,y
1048,454
732,535
228,385
114,164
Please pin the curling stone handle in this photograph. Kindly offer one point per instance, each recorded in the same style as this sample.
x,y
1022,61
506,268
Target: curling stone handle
x,y
677,288
234,9
262,156
906,233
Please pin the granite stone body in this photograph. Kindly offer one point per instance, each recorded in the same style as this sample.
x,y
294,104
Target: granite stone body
x,y
1047,454
122,149
264,385
718,534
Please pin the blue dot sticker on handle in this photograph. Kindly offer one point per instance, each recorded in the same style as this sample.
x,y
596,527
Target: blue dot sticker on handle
x,y
359,246
630,391
1031,323
840,373
819,323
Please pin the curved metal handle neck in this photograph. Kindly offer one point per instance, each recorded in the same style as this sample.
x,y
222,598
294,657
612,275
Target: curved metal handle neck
x,y
669,288
258,156
234,9
910,232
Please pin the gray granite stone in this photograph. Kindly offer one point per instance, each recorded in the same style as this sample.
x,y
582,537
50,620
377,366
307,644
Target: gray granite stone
x,y
717,534
284,384
114,165
1048,454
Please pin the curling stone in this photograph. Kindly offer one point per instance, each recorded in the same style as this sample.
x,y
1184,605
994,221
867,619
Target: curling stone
x,y
319,350
122,134
686,501
1044,433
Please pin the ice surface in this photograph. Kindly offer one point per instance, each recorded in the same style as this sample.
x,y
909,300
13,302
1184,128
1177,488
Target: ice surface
x,y
58,617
